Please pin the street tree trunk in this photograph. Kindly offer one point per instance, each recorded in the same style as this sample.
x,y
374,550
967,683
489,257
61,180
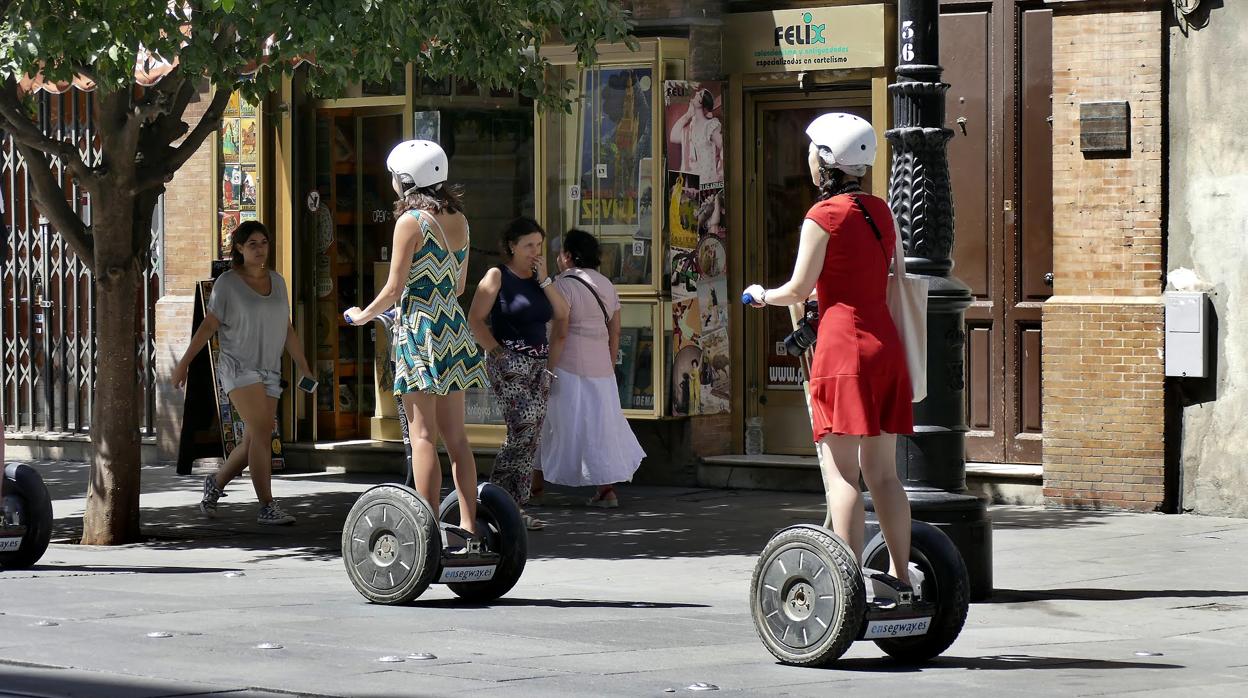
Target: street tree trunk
x,y
112,514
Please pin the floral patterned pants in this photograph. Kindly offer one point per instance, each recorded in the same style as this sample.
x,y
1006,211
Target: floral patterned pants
x,y
522,389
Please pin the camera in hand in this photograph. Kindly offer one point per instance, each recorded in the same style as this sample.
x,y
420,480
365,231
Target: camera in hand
x,y
803,337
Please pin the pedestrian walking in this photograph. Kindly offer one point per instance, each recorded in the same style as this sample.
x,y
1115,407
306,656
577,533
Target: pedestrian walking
x,y
586,440
859,384
436,359
518,299
250,314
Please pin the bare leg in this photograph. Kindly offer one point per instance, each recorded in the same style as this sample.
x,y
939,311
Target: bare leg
x,y
839,462
450,413
539,483
258,411
234,464
879,470
422,430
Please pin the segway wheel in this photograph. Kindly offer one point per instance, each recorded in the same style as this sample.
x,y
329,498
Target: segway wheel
x,y
807,596
499,522
25,494
391,545
945,583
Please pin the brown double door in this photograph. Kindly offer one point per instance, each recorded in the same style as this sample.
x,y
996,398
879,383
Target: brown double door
x,y
997,56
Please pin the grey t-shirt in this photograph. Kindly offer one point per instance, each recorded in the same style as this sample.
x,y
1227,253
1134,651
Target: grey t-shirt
x,y
253,327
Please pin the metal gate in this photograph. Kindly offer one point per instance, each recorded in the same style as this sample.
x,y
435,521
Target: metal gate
x,y
47,342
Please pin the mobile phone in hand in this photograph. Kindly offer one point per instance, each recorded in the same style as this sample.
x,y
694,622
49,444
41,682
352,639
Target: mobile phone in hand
x,y
307,385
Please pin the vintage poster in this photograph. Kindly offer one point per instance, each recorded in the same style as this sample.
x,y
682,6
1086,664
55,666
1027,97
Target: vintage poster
x,y
697,265
229,221
427,126
712,299
231,187
233,105
686,323
615,136
248,139
643,372
686,381
683,273
248,194
245,108
682,209
626,364
645,199
714,375
695,132
229,140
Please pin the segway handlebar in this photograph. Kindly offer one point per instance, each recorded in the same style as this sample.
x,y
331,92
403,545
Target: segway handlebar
x,y
747,299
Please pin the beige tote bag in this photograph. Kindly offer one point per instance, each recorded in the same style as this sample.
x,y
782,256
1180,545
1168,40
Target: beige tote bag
x,y
907,303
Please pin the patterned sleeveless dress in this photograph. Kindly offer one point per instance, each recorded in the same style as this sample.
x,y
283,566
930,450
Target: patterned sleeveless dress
x,y
434,351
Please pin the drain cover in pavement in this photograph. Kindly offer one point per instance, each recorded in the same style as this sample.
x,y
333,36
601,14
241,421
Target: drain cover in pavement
x,y
268,646
703,686
46,624
421,655
159,634
390,658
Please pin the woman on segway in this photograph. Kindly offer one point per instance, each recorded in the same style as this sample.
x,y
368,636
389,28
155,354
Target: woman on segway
x,y
859,386
436,359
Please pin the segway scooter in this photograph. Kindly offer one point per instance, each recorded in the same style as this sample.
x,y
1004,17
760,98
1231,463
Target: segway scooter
x,y
394,547
810,599
25,517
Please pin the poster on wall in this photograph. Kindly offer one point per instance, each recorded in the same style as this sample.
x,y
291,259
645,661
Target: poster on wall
x,y
230,421
697,263
238,176
614,139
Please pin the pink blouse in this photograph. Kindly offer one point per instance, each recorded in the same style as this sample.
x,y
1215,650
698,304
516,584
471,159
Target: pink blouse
x,y
587,351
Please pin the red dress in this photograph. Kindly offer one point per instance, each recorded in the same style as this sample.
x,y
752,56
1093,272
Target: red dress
x,y
859,383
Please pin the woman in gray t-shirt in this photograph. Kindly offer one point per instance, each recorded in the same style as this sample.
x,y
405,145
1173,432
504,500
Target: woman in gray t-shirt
x,y
250,314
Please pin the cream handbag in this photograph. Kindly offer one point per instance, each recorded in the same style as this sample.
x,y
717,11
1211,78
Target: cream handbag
x,y
907,303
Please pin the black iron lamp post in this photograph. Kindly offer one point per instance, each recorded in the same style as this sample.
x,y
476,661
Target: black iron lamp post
x,y
932,462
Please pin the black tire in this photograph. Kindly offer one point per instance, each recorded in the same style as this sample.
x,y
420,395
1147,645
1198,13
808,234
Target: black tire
x,y
802,564
391,545
946,583
24,490
499,522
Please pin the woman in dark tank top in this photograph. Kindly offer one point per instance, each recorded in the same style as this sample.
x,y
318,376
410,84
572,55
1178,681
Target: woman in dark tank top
x,y
518,300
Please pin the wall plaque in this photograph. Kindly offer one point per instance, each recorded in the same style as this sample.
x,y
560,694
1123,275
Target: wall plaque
x,y
1105,127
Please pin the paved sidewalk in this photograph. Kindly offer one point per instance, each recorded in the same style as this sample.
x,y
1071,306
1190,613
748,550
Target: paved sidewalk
x,y
626,602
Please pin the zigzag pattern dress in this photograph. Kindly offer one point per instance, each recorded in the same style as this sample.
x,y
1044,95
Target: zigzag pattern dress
x,y
434,350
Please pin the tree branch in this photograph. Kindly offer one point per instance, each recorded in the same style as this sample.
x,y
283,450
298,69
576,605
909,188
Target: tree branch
x,y
24,130
50,197
208,124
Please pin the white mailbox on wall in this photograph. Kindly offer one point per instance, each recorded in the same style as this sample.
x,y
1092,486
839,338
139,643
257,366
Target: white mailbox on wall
x,y
1187,324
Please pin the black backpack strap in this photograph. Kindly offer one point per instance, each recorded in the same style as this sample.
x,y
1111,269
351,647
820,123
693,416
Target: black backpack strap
x,y
605,318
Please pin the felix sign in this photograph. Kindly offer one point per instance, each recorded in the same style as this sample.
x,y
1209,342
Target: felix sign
x,y
799,40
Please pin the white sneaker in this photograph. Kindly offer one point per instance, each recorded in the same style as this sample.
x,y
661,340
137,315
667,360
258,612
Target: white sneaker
x,y
272,515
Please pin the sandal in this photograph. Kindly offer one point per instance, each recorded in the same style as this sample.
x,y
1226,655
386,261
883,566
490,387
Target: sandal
x,y
532,523
604,499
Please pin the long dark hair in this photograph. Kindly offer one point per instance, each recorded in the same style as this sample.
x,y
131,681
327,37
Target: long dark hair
x,y
517,229
582,248
834,181
441,198
239,237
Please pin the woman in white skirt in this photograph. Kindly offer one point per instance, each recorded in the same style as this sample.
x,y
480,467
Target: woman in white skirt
x,y
585,439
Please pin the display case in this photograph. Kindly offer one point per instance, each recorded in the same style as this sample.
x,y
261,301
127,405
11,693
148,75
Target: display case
x,y
601,169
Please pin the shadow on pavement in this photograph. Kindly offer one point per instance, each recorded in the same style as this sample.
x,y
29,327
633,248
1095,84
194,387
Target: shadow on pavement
x,y
1092,594
126,569
651,523
1000,662
1048,519
54,682
557,603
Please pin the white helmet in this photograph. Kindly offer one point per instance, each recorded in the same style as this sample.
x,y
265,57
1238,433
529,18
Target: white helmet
x,y
417,164
844,141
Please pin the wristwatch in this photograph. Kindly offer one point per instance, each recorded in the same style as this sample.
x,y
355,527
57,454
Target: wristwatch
x,y
545,283
762,297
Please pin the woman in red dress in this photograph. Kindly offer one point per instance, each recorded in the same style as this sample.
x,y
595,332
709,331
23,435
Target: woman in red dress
x,y
859,387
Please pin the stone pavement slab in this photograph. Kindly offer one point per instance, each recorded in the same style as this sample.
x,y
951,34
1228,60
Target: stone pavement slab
x,y
626,602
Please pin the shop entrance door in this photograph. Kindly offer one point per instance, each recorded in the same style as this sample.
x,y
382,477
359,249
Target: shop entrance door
x,y
779,194
349,230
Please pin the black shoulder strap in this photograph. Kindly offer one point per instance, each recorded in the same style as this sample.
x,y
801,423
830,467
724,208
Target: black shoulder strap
x,y
871,222
593,293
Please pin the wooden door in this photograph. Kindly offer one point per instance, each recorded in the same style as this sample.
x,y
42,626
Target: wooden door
x,y
997,57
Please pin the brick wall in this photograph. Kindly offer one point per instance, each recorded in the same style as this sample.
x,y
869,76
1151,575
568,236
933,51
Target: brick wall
x,y
1102,356
190,227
